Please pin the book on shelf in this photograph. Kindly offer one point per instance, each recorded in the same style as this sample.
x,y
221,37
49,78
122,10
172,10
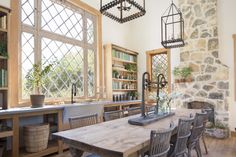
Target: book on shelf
x,y
123,56
3,78
3,22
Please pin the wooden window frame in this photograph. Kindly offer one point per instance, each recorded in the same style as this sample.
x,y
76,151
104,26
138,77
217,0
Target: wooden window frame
x,y
15,51
150,54
234,38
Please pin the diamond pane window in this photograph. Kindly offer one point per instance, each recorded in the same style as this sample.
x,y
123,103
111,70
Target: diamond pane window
x,y
91,73
27,12
68,67
27,60
62,20
160,66
64,36
90,31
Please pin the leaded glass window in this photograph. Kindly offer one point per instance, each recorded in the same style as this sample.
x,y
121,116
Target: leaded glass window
x,y
58,32
160,65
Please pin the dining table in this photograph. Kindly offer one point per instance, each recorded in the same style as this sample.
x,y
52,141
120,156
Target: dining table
x,y
117,138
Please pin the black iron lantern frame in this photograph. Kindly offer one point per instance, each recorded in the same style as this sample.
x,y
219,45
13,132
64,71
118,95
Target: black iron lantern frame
x,y
122,7
172,28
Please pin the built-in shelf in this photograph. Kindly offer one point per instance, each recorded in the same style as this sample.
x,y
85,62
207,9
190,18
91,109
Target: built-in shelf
x,y
3,88
3,30
3,57
122,60
124,70
52,148
4,64
124,90
124,80
6,133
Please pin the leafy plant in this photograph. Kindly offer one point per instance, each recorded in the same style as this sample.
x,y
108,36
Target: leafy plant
x,y
115,73
177,72
130,67
36,75
186,72
3,49
220,125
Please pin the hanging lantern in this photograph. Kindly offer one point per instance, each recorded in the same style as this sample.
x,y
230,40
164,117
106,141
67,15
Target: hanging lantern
x,y
123,10
172,28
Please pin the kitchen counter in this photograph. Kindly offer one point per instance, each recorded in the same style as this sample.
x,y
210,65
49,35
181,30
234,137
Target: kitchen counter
x,y
22,110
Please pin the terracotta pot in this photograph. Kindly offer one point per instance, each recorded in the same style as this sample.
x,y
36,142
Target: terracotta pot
x,y
177,80
189,79
182,80
37,100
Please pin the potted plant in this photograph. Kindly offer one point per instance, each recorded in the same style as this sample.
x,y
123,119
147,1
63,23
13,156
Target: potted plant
x,y
130,67
177,74
186,73
219,130
136,95
35,79
3,49
115,74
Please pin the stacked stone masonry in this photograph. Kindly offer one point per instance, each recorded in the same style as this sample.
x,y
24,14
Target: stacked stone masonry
x,y
210,76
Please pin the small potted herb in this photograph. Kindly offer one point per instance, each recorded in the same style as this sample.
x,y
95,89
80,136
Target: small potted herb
x,y
35,80
136,94
177,74
131,67
3,49
115,74
185,74
217,130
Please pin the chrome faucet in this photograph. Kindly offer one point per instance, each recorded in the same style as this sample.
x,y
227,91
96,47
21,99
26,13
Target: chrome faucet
x,y
73,92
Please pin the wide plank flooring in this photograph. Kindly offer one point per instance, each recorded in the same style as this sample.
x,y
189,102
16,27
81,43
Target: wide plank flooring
x,y
216,148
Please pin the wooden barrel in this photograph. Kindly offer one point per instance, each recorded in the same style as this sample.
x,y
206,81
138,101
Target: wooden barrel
x,y
36,137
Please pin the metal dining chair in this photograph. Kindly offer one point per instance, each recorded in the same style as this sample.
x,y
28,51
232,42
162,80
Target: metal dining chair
x,y
81,121
133,111
160,142
112,115
179,145
196,134
206,119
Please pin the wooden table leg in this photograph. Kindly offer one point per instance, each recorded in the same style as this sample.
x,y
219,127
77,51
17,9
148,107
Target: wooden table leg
x,y
76,152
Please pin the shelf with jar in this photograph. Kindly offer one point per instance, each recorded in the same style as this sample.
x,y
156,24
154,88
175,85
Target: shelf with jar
x,y
4,52
121,71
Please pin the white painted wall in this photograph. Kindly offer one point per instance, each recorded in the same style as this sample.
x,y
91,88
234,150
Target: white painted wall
x,y
5,3
227,27
146,34
112,32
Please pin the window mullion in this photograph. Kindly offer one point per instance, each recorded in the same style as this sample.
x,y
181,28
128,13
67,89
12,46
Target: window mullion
x,y
85,56
37,57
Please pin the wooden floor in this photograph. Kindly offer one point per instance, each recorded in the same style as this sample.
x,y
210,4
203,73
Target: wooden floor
x,y
216,148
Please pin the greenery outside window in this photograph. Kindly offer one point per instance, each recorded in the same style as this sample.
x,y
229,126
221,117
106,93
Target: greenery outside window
x,y
158,62
58,32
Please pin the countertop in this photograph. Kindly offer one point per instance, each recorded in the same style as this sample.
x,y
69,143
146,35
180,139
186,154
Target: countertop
x,y
21,110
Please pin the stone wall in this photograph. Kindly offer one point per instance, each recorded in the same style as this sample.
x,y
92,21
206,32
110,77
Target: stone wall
x,y
210,77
